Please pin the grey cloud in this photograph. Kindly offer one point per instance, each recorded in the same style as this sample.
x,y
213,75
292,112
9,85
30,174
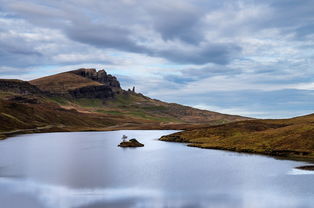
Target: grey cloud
x,y
175,31
210,53
17,46
192,74
102,36
173,23
14,51
38,13
295,17
184,24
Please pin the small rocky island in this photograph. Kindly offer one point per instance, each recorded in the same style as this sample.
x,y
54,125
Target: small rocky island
x,y
130,143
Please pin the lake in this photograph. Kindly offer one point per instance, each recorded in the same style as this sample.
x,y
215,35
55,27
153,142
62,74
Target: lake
x,y
88,170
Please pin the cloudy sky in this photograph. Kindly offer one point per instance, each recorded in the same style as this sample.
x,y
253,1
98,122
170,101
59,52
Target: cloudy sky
x,y
247,57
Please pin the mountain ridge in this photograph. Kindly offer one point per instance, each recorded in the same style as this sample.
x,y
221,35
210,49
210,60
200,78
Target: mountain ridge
x,y
94,96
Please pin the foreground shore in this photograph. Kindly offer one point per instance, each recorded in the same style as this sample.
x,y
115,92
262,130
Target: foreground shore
x,y
283,138
282,154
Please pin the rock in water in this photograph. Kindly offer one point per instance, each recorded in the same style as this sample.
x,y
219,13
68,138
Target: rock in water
x,y
131,143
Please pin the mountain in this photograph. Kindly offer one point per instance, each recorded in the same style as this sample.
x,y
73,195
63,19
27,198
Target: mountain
x,y
292,138
87,99
72,81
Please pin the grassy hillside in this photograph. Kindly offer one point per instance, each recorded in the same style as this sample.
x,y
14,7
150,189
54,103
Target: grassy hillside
x,y
21,113
98,103
283,137
138,106
28,114
63,82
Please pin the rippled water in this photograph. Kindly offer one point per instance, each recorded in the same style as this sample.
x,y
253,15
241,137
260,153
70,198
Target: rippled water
x,y
88,170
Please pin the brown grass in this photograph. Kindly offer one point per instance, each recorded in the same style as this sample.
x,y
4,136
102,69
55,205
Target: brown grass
x,y
284,137
61,83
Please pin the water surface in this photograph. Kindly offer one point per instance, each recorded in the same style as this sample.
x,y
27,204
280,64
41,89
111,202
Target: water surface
x,y
88,170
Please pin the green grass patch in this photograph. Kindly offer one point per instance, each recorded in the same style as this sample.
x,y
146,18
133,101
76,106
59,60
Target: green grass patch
x,y
121,100
155,108
110,112
147,116
59,100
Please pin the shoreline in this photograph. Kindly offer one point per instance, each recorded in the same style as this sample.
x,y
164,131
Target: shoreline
x,y
279,157
126,126
60,128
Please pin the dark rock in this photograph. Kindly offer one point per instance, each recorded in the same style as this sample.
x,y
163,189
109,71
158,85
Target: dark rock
x,y
131,143
99,76
307,167
287,152
18,86
101,92
20,99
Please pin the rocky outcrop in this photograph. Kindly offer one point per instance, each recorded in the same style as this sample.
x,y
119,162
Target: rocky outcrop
x,y
80,83
18,86
99,76
131,143
307,167
101,92
21,99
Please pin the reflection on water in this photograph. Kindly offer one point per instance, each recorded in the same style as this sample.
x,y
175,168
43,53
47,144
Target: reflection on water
x,y
88,170
57,196
296,171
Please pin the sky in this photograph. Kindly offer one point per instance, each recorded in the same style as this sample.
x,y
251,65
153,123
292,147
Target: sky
x,y
245,57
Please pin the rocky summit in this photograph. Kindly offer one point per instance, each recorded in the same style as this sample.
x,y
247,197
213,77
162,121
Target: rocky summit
x,y
100,76
80,83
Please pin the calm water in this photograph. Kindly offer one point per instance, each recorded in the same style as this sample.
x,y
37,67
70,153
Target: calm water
x,y
88,170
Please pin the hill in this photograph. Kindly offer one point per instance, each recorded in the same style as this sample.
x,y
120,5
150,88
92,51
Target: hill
x,y
86,99
62,83
292,138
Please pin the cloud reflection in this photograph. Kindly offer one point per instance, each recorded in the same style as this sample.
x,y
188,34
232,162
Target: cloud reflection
x,y
296,171
53,196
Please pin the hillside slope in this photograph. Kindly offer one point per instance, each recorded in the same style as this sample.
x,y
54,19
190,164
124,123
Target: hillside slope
x,y
86,99
283,137
89,90
62,83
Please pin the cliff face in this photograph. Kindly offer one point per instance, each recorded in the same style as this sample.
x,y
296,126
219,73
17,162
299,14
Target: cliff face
x,y
18,86
99,76
101,92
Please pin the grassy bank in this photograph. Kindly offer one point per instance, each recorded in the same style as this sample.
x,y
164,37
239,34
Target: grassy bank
x,y
289,138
